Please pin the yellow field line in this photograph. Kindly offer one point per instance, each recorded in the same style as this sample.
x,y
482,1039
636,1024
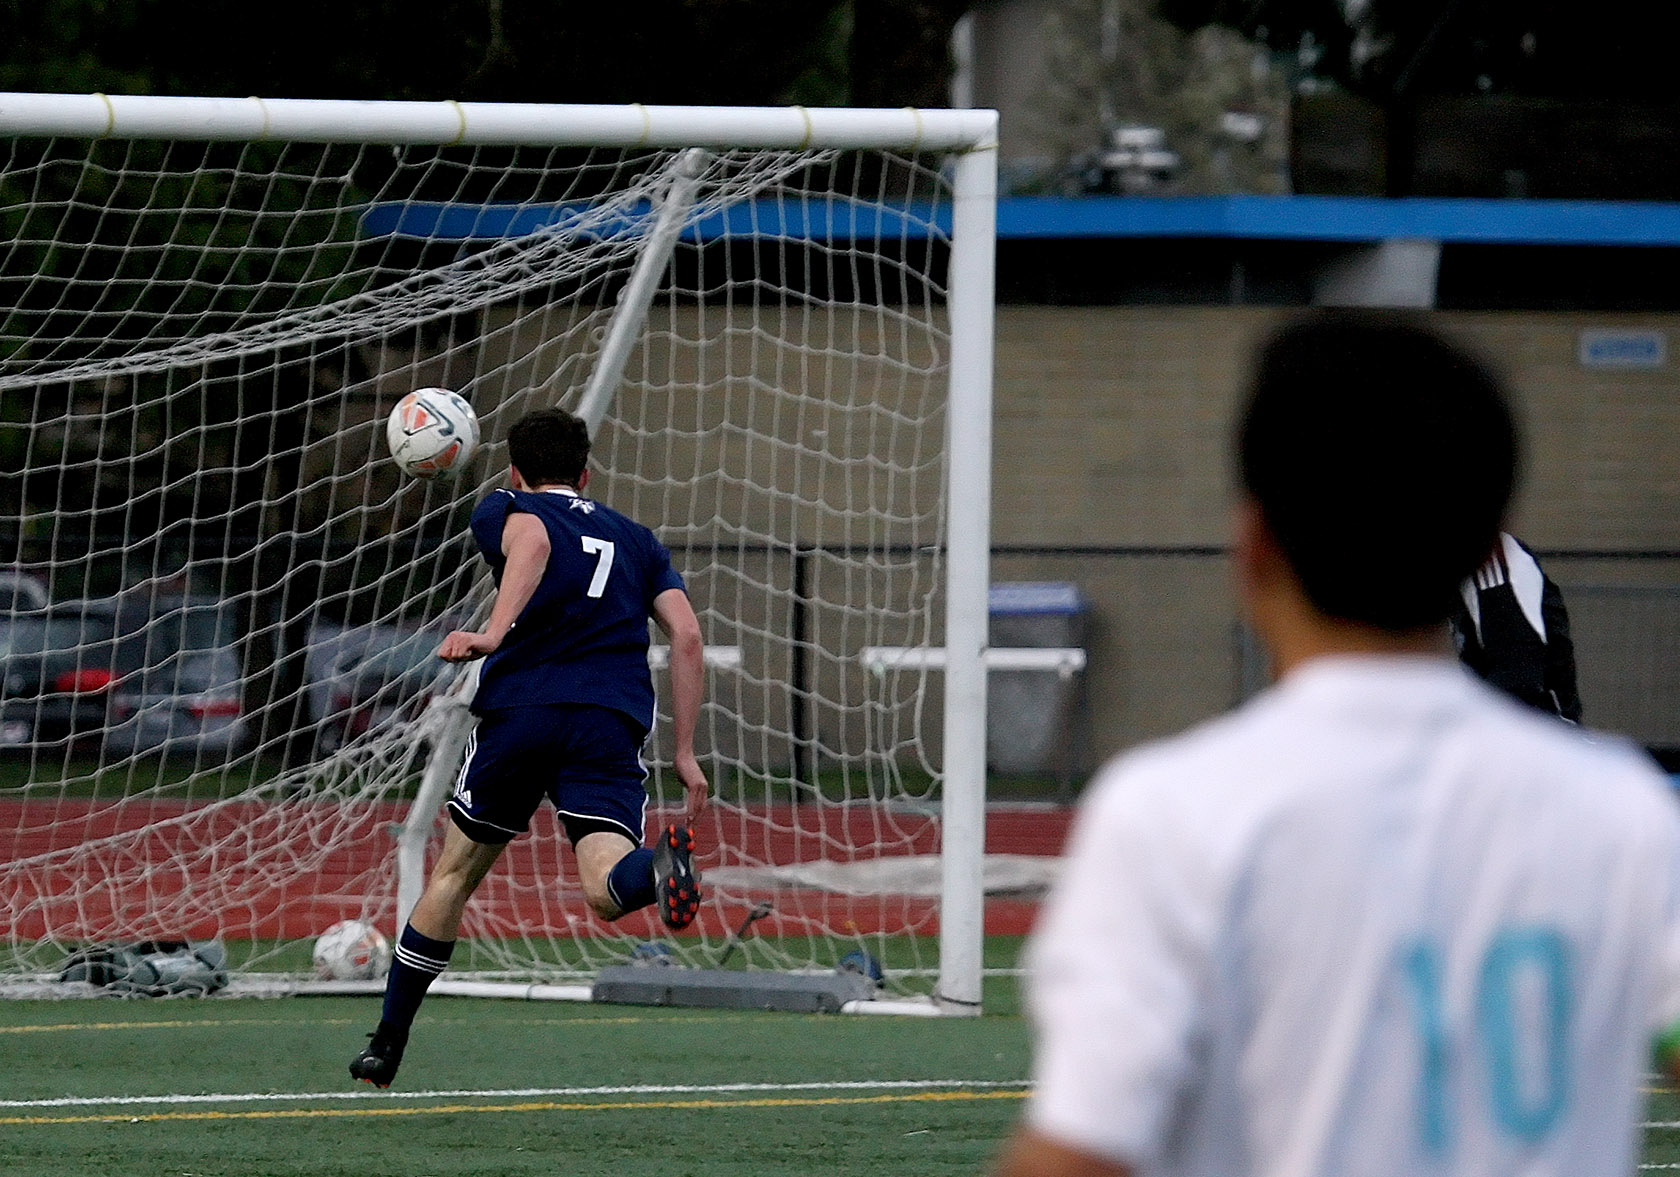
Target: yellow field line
x,y
180,1023
547,1106
170,1025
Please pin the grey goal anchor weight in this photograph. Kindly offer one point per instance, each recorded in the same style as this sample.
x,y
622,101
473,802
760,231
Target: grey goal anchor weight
x,y
721,988
732,989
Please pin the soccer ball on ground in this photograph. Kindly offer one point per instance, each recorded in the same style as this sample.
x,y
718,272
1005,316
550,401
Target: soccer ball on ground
x,y
431,432
351,950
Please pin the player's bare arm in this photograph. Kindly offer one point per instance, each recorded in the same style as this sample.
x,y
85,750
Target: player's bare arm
x,y
525,544
1030,1154
674,615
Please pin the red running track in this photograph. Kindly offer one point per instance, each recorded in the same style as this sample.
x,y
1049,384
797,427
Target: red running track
x,y
288,869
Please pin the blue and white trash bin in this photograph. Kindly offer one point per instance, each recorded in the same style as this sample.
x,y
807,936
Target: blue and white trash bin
x,y
1036,685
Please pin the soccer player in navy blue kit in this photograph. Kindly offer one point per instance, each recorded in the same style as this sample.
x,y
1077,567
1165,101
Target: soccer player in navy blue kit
x,y
564,705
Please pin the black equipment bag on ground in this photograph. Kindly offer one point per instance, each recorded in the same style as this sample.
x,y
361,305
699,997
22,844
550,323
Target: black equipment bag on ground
x,y
151,968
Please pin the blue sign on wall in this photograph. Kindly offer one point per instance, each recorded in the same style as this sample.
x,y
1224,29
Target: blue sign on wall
x,y
1623,349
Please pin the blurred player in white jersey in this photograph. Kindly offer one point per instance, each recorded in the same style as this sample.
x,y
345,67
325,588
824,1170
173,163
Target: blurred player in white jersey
x,y
1382,919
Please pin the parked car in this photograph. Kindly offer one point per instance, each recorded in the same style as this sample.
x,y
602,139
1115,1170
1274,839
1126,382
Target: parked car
x,y
331,646
179,684
378,674
56,668
20,590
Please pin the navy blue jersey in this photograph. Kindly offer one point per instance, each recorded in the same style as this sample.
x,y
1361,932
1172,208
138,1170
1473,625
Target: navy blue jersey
x,y
583,636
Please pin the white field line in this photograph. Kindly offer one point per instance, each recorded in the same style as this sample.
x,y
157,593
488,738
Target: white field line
x,y
506,1093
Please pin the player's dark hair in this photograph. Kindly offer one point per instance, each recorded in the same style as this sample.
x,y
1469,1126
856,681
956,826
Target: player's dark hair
x,y
549,447
1382,459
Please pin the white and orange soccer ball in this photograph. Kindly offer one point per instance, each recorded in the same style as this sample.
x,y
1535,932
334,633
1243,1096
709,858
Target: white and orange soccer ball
x,y
351,950
432,431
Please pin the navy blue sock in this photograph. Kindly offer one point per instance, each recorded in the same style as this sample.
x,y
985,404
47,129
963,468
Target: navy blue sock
x,y
630,883
415,964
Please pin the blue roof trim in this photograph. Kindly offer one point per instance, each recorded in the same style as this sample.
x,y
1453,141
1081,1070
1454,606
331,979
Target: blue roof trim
x,y
1344,218
1260,218
833,220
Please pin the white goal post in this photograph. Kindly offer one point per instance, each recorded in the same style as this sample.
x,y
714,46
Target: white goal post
x,y
779,324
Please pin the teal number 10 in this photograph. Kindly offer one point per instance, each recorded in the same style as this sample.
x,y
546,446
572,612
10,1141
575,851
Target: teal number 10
x,y
1526,1092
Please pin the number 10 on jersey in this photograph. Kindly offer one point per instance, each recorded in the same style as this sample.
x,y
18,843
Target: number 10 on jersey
x,y
1521,1009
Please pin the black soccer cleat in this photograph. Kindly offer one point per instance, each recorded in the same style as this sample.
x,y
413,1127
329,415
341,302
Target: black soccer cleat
x,y
380,1058
676,884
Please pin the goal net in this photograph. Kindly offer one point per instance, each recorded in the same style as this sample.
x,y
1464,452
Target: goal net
x,y
227,722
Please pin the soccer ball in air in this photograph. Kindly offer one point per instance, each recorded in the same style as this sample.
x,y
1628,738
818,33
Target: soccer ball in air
x,y
351,950
431,432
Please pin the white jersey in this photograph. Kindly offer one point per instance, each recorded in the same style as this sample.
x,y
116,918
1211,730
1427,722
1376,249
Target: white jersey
x,y
1381,920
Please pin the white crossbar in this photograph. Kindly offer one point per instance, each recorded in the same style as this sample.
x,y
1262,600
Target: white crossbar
x,y
1064,660
717,657
482,123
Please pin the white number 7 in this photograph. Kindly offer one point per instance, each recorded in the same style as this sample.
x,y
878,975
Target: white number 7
x,y
603,550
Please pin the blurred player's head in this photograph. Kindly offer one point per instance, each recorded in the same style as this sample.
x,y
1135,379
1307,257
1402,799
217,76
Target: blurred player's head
x,y
549,447
1381,460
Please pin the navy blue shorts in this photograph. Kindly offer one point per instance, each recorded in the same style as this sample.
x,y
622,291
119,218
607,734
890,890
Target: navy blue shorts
x,y
586,760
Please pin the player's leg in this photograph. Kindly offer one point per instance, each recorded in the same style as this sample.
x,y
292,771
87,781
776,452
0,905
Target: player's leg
x,y
619,877
423,950
616,874
601,796
428,939
500,786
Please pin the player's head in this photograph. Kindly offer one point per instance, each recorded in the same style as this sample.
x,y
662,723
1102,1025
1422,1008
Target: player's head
x,y
549,447
1381,460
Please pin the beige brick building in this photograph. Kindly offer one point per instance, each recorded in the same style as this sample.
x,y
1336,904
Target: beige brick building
x,y
1113,425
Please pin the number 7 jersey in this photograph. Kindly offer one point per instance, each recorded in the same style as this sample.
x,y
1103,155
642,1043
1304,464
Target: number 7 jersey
x,y
583,636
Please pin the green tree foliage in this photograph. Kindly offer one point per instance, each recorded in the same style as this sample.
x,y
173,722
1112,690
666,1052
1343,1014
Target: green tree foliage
x,y
675,51
900,51
1391,50
1116,63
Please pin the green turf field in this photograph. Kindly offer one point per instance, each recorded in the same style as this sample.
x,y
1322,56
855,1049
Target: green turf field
x,y
250,1088
1662,1132
254,1088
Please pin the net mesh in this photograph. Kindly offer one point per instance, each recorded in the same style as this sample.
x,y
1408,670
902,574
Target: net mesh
x,y
230,700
